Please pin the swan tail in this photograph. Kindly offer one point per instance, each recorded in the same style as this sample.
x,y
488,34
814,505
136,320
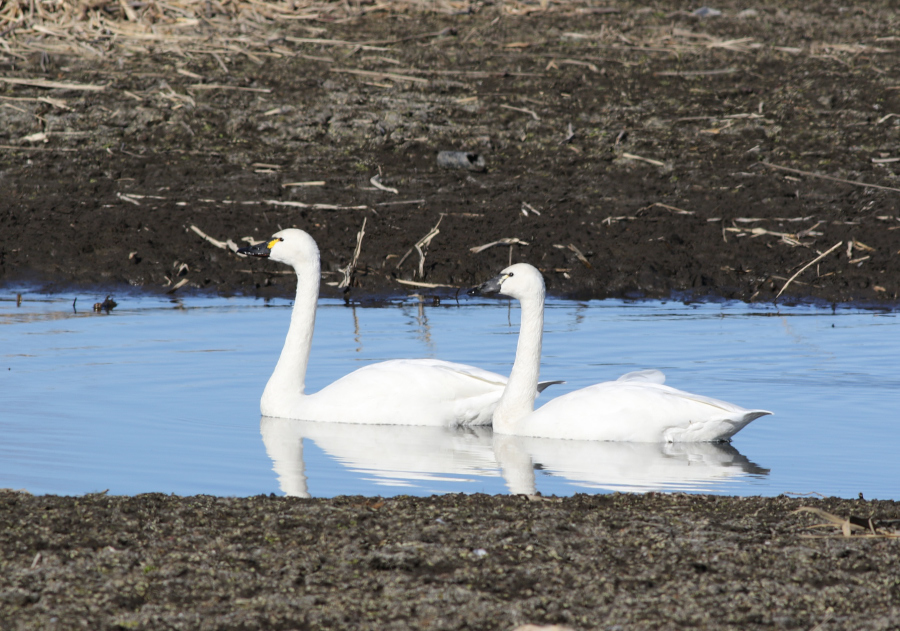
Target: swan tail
x,y
543,385
718,430
734,425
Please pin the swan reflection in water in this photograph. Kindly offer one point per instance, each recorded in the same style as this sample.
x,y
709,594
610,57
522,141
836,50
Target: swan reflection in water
x,y
418,454
390,455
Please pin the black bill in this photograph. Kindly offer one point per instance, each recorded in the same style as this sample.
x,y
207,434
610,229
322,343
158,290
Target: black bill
x,y
490,287
260,249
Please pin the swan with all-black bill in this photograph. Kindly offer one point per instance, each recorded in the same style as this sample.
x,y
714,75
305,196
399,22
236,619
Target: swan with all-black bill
x,y
637,407
394,392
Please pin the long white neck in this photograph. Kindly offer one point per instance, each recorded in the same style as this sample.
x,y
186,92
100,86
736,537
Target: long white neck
x,y
521,389
288,381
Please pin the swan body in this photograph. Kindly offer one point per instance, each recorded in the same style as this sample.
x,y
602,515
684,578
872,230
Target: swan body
x,y
638,407
396,392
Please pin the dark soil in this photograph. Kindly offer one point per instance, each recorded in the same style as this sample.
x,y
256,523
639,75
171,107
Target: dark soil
x,y
555,100
451,562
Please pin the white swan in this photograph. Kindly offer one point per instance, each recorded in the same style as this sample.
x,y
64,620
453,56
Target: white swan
x,y
395,392
637,407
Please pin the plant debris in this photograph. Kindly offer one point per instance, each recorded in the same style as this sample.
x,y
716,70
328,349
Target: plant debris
x,y
643,138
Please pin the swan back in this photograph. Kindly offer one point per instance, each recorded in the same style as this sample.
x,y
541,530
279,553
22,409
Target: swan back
x,y
636,410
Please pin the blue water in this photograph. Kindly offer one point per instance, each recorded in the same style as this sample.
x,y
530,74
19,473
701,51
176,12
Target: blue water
x,y
163,395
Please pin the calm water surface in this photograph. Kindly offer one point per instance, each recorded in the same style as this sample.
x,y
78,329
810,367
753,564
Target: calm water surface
x,y
163,395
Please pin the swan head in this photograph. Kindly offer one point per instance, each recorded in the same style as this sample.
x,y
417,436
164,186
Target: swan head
x,y
290,246
521,281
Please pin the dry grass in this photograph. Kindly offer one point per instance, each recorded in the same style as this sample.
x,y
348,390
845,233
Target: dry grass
x,y
98,27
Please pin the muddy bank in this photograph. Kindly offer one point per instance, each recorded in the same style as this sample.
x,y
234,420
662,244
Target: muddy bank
x,y
629,150
451,562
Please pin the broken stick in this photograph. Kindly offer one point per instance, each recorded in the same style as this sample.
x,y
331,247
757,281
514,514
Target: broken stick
x,y
348,271
504,241
422,243
812,262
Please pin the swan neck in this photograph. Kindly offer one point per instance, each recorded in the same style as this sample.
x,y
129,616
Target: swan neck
x,y
288,380
521,389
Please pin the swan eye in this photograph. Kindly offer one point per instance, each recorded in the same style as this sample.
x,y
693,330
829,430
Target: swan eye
x,y
510,275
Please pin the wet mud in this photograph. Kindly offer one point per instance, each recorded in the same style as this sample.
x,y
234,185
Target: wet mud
x,y
628,151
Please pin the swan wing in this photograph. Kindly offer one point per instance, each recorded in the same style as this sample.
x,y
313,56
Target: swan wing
x,y
473,372
408,392
453,370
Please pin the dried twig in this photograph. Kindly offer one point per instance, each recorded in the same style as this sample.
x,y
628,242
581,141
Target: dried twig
x,y
334,42
505,241
381,75
694,73
376,182
406,201
671,209
216,86
829,178
275,202
128,198
53,85
572,62
631,156
177,286
812,262
313,183
219,244
427,285
526,208
348,271
423,243
847,526
581,257
521,109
